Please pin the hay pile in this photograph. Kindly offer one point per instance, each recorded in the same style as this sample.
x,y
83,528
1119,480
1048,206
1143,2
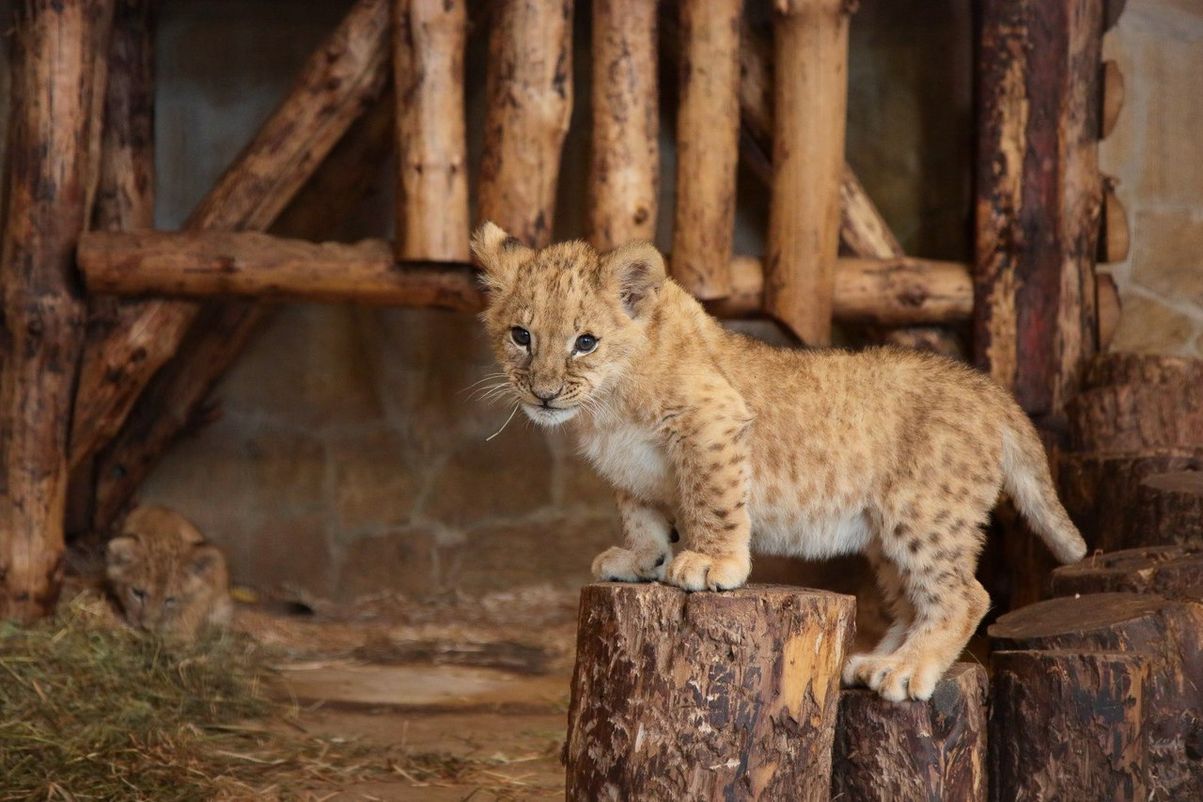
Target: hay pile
x,y
90,711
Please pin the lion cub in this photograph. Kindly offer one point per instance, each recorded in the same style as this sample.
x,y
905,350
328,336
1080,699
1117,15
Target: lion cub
x,y
164,575
742,447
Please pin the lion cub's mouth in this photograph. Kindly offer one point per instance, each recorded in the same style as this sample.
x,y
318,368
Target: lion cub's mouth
x,y
549,416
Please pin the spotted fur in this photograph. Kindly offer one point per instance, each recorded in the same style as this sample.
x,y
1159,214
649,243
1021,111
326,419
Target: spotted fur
x,y
165,577
742,447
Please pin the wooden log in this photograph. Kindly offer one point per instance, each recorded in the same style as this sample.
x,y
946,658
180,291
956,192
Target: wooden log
x,y
343,76
1068,726
934,750
528,108
1109,308
624,167
1039,197
1127,368
204,264
1168,634
1168,509
432,179
1136,417
1112,102
1115,237
809,108
705,695
1100,490
58,63
707,146
1174,572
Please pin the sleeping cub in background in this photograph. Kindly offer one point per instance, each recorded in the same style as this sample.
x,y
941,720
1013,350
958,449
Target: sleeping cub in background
x,y
897,455
164,575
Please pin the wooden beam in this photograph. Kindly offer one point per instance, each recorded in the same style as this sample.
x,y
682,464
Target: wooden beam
x,y
1038,197
205,264
624,168
707,146
432,162
529,103
809,109
343,76
57,67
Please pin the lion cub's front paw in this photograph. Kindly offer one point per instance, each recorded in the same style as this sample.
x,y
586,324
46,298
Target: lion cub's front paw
x,y
894,677
624,565
692,570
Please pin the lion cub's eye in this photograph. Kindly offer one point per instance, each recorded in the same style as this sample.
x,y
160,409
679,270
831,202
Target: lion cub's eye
x,y
138,593
585,343
521,336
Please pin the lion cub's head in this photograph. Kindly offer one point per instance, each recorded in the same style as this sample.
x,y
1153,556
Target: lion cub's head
x,y
565,321
164,575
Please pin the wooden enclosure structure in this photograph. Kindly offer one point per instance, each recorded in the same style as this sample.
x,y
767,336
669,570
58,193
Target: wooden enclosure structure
x,y
114,333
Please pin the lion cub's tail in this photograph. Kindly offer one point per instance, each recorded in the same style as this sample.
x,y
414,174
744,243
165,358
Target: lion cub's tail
x,y
1027,480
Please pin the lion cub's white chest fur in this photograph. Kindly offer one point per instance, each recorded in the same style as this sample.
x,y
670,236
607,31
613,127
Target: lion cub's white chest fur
x,y
629,456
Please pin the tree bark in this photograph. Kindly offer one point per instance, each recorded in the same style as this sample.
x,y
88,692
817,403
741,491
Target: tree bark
x,y
1137,417
1068,726
707,146
705,695
1125,368
933,751
1169,509
528,108
204,264
341,78
58,66
809,109
1167,634
1039,197
1100,491
432,163
1175,572
624,169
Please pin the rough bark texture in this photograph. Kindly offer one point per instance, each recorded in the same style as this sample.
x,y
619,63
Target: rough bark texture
x,y
1136,417
58,62
707,146
884,291
1100,491
1125,368
209,263
1175,572
345,74
529,106
1169,509
432,162
1167,634
930,751
706,695
810,96
1068,726
1038,196
624,168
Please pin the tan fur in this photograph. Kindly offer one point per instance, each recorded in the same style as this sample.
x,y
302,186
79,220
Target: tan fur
x,y
164,575
742,447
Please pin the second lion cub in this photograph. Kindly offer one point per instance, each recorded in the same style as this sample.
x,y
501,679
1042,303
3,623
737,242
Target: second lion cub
x,y
743,447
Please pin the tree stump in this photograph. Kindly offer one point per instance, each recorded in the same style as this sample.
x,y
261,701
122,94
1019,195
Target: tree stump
x,y
932,751
1175,572
1067,726
1134,417
1168,634
1119,368
1169,508
1100,490
705,696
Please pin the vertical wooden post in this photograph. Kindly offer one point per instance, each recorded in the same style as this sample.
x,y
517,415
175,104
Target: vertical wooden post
x,y
432,180
529,104
58,53
624,170
1038,196
707,146
810,101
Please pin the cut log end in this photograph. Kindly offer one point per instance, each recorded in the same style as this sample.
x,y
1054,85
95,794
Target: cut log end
x,y
1175,572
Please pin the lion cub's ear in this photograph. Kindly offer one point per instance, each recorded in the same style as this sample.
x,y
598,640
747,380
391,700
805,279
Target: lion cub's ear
x,y
499,254
637,272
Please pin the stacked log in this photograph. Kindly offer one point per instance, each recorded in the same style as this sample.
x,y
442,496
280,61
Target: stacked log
x,y
1174,572
705,696
933,750
1121,674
